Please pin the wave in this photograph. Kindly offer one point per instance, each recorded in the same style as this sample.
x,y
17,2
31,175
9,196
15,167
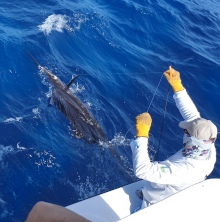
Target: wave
x,y
54,22
60,22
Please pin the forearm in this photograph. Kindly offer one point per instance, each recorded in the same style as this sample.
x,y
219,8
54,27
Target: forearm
x,y
141,160
186,106
47,212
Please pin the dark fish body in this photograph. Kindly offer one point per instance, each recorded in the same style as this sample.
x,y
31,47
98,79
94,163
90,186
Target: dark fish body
x,y
84,123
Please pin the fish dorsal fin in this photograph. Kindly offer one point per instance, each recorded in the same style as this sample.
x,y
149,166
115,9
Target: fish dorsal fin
x,y
71,81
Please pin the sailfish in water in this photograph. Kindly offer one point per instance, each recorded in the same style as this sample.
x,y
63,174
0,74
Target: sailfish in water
x,y
84,123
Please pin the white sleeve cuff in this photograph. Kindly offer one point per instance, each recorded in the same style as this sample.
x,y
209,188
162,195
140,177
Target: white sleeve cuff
x,y
181,93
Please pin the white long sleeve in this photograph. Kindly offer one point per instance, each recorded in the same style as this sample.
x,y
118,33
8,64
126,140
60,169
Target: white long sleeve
x,y
186,106
164,172
177,172
141,160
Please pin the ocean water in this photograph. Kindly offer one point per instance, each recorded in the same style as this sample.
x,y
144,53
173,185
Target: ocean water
x,y
122,47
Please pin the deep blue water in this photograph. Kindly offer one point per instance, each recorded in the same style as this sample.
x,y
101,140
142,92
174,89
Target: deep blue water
x,y
122,47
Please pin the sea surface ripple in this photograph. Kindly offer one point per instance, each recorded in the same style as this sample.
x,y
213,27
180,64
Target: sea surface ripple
x,y
122,47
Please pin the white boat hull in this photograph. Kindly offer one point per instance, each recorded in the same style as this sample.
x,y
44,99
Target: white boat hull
x,y
199,202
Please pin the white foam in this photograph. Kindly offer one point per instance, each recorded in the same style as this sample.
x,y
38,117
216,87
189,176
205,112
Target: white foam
x,y
60,22
13,120
89,104
5,150
88,189
77,88
49,93
121,142
54,22
118,140
20,148
9,120
36,111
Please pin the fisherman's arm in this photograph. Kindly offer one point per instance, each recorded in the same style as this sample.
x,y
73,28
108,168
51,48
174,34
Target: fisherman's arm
x,y
164,172
184,103
140,156
139,146
157,172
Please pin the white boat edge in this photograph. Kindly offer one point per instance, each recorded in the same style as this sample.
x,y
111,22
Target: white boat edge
x,y
199,202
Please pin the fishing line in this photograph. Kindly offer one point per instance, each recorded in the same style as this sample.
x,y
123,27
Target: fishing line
x,y
148,106
163,120
154,93
136,73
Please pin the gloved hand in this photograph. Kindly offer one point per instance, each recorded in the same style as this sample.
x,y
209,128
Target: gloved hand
x,y
174,80
143,124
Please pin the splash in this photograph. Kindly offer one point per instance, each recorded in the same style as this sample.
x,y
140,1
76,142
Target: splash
x,y
77,88
96,22
87,189
44,158
119,140
54,22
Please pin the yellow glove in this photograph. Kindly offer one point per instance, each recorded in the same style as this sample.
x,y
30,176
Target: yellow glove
x,y
174,79
143,124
